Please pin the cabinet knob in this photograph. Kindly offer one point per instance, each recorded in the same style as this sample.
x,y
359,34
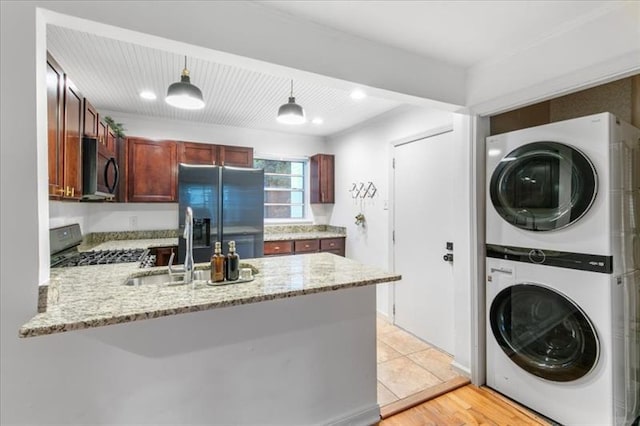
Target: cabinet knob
x,y
306,246
277,247
332,244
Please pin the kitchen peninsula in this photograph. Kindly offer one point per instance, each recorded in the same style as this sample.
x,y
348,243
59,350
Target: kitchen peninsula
x,y
94,296
295,346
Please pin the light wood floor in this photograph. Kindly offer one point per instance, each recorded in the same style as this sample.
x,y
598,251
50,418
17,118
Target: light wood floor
x,y
468,405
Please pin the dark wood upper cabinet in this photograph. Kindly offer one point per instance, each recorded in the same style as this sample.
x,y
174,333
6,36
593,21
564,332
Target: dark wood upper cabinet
x,y
102,133
197,153
91,120
322,179
72,162
237,156
151,170
111,140
55,126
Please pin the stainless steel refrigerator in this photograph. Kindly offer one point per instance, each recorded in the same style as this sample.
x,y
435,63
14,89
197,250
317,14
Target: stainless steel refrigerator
x,y
227,203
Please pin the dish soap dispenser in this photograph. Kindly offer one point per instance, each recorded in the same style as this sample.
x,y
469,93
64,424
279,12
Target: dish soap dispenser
x,y
217,264
233,262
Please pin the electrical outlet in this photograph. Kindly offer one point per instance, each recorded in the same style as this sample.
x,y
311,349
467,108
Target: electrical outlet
x,y
133,222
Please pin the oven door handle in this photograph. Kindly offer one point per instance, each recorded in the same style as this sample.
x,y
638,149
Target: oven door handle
x,y
116,178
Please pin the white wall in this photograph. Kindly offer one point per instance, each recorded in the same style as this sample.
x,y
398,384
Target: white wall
x,y
102,217
363,155
600,47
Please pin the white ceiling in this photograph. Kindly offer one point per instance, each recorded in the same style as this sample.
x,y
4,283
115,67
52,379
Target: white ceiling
x,y
463,32
111,74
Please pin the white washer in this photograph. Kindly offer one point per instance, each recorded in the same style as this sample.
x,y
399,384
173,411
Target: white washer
x,y
555,339
559,186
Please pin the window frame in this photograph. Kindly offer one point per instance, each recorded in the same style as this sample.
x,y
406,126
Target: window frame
x,y
306,187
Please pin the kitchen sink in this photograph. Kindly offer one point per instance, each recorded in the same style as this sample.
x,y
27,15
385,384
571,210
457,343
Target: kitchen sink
x,y
177,278
166,279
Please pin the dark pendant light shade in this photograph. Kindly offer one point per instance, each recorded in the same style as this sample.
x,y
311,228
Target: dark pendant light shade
x,y
291,112
183,94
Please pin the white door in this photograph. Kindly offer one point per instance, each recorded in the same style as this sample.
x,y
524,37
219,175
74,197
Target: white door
x,y
423,224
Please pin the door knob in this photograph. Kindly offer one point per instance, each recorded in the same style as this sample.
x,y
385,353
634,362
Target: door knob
x,y
448,257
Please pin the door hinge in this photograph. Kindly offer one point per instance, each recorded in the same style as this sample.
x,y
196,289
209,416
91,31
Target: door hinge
x,y
393,163
393,236
394,309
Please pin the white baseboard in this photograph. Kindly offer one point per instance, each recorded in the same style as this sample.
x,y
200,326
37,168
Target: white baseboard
x,y
461,369
383,315
367,417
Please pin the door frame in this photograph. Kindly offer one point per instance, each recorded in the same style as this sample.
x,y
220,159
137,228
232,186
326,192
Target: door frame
x,y
473,129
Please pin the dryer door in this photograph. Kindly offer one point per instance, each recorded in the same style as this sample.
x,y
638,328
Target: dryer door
x,y
543,186
544,332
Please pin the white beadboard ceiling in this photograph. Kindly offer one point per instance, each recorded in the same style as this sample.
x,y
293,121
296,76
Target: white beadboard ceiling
x,y
111,74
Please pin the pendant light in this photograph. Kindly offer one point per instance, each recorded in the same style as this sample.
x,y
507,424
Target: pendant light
x,y
291,112
183,94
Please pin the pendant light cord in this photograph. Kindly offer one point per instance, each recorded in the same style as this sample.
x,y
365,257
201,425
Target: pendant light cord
x,y
292,88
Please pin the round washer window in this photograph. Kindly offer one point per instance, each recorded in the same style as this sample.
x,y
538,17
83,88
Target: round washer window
x,y
543,186
544,332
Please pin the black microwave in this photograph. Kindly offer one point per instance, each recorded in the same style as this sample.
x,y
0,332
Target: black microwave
x,y
100,172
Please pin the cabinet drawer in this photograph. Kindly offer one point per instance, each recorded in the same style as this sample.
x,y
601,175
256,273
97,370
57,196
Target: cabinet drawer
x,y
278,247
332,244
306,246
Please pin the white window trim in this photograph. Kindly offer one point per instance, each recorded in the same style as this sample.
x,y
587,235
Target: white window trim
x,y
307,187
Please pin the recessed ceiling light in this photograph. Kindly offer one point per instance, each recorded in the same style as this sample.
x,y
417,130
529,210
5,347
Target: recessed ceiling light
x,y
358,94
317,120
148,95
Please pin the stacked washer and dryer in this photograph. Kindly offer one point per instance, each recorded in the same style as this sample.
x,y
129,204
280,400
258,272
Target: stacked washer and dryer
x,y
563,277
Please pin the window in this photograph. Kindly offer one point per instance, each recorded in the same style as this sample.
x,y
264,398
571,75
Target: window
x,y
284,188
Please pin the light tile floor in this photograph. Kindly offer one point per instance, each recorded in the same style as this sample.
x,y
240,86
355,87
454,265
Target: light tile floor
x,y
406,364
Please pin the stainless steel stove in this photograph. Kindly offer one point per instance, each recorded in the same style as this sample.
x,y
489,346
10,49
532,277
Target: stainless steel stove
x,y
64,242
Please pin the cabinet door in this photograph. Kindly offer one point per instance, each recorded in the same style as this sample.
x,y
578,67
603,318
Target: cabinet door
x,y
322,182
151,170
306,246
55,136
102,133
236,156
278,247
163,254
197,153
333,245
72,163
111,140
91,120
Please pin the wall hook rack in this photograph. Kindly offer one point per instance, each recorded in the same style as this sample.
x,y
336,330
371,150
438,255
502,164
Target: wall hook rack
x,y
362,190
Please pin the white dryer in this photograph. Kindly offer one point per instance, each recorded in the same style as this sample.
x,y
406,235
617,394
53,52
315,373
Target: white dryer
x,y
559,340
559,186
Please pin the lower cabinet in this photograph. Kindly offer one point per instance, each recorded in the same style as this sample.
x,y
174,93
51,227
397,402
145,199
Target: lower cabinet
x,y
330,245
163,254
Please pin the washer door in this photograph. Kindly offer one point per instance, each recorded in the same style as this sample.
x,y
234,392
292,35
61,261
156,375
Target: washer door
x,y
544,332
543,186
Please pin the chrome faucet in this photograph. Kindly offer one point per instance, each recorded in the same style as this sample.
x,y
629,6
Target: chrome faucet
x,y
188,258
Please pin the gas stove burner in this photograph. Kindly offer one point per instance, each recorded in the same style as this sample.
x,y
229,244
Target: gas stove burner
x,y
103,257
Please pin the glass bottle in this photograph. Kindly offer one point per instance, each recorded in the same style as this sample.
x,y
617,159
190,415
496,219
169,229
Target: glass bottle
x,y
233,262
217,264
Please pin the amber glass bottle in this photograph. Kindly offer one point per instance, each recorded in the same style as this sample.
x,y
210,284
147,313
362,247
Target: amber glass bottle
x,y
217,264
233,262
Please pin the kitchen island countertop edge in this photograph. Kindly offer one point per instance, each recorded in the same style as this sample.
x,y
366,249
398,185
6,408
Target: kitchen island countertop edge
x,y
95,296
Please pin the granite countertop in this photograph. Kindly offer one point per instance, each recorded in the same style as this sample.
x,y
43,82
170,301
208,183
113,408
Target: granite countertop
x,y
95,296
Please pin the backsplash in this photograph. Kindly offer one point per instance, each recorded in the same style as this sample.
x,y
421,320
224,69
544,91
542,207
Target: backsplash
x,y
101,237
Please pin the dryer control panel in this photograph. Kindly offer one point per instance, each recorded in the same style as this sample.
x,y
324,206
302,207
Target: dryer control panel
x,y
560,259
